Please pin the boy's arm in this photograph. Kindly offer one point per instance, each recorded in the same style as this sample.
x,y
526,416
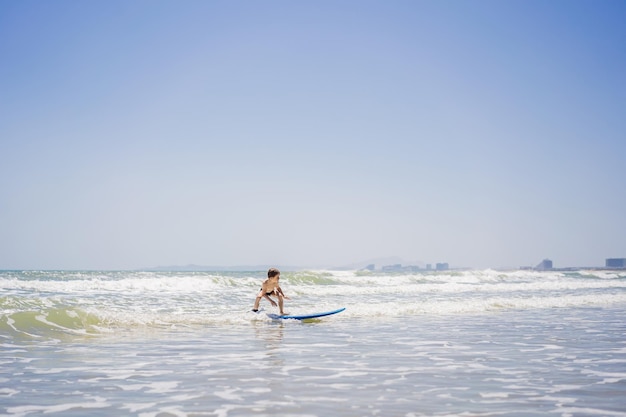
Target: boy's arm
x,y
268,298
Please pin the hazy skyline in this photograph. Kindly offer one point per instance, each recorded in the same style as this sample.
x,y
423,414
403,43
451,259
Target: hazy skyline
x,y
146,133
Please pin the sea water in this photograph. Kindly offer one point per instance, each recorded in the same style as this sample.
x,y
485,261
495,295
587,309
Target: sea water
x,y
160,344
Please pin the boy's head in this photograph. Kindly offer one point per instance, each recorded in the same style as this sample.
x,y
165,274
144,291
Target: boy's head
x,y
272,272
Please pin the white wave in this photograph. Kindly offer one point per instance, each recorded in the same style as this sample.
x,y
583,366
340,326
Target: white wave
x,y
105,301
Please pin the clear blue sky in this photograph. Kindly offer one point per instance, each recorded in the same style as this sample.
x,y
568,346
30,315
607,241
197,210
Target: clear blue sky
x,y
144,133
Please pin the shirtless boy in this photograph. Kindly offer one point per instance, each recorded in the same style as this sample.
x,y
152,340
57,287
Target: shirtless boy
x,y
270,287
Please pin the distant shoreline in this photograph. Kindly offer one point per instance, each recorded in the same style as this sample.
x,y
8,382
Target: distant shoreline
x,y
199,268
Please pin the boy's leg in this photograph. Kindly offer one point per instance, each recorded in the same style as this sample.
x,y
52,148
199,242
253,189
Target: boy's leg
x,y
280,304
257,302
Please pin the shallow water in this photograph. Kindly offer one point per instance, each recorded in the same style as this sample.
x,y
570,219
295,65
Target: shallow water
x,y
375,359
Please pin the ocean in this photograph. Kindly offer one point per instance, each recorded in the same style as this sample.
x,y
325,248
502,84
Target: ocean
x,y
449,343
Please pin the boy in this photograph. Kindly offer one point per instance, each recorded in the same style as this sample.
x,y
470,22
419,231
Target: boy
x,y
270,287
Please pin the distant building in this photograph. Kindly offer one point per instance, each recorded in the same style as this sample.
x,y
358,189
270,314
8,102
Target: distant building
x,y
429,267
370,267
545,265
616,263
395,267
442,266
401,268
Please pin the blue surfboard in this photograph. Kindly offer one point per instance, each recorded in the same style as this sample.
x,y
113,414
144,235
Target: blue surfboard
x,y
305,316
